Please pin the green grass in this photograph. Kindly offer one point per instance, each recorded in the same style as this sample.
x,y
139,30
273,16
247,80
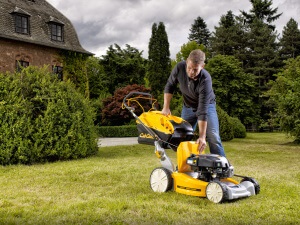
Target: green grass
x,y
113,188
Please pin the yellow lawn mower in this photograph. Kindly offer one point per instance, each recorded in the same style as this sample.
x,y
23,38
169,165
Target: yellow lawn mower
x,y
203,175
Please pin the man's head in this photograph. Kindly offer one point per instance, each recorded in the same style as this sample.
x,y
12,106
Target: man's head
x,y
195,63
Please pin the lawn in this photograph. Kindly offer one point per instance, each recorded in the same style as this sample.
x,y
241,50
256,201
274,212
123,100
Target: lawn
x,y
113,188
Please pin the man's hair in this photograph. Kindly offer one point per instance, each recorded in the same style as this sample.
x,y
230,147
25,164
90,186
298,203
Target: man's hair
x,y
197,56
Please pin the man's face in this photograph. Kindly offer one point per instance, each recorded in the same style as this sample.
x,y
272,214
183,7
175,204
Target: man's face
x,y
193,70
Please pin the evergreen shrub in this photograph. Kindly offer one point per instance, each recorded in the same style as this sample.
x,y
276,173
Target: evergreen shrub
x,y
43,119
239,130
226,128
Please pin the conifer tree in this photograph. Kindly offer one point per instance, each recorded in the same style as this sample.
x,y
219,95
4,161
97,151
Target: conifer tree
x,y
290,41
262,53
261,10
230,37
159,62
199,32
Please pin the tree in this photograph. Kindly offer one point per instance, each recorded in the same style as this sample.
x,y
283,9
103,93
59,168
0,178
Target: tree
x,y
123,67
262,57
159,62
234,89
285,94
263,62
230,37
290,41
98,81
113,114
199,32
261,10
185,50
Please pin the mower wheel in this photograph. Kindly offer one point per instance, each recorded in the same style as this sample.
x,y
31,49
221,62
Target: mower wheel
x,y
254,182
161,180
216,192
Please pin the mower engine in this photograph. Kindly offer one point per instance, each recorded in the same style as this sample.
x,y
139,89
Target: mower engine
x,y
210,167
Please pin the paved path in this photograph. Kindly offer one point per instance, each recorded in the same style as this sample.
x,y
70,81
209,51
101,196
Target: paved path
x,y
103,142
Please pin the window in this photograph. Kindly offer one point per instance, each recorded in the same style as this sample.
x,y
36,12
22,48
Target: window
x,y
21,65
59,71
56,31
22,24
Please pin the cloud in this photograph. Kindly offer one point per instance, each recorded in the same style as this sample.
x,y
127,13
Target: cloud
x,y
101,23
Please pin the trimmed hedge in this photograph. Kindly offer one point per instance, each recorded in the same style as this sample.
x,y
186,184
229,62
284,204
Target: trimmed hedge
x,y
43,119
230,127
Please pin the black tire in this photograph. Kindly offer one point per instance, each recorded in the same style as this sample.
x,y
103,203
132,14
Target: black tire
x,y
254,182
161,180
216,192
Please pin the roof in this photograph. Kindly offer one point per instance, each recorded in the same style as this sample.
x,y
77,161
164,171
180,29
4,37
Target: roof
x,y
40,13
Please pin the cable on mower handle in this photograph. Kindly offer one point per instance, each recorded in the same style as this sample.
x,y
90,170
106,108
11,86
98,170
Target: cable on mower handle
x,y
131,109
135,93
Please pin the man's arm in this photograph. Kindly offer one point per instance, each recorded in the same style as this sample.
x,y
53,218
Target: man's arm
x,y
167,100
202,135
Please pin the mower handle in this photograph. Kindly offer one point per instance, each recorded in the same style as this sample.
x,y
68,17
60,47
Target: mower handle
x,y
135,93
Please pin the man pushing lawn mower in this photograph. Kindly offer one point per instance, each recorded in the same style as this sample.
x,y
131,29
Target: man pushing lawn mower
x,y
199,106
196,173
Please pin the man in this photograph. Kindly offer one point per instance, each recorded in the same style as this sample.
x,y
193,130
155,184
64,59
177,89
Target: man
x,y
199,105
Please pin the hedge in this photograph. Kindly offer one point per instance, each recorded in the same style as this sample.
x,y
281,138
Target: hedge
x,y
229,128
43,119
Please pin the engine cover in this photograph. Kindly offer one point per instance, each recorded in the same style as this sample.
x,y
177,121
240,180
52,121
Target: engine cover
x,y
210,166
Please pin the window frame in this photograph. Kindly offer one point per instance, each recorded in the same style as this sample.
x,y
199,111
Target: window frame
x,y
20,27
21,64
56,34
58,70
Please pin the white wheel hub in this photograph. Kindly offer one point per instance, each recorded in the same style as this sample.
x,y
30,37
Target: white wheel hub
x,y
159,180
214,192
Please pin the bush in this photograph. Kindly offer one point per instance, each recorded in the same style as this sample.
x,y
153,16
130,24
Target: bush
x,y
285,96
226,128
114,114
43,119
239,130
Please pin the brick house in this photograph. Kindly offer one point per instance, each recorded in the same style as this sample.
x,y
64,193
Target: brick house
x,y
33,32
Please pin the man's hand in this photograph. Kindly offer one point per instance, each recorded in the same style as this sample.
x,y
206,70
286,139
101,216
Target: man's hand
x,y
202,135
201,144
167,99
166,111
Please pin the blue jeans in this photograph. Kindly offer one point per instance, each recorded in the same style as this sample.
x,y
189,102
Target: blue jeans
x,y
212,132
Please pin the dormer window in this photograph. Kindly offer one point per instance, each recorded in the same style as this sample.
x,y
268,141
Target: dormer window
x,y
56,29
56,32
22,24
21,18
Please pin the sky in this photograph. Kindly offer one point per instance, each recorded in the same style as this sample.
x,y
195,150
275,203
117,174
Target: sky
x,y
101,23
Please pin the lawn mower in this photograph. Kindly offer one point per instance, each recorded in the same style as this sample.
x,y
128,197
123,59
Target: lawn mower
x,y
202,175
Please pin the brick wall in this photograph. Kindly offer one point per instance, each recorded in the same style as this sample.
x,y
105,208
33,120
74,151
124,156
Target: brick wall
x,y
36,55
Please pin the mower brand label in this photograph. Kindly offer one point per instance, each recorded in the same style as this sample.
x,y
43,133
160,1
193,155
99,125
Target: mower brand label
x,y
143,135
